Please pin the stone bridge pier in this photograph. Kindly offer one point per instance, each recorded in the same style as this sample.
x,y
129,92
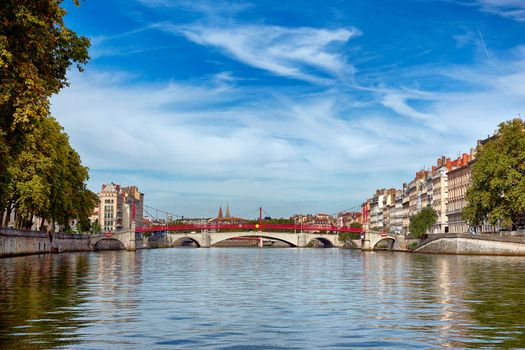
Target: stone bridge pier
x,y
372,238
127,239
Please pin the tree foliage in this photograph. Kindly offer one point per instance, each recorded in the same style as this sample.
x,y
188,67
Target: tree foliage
x,y
497,193
40,174
422,221
356,224
344,236
48,179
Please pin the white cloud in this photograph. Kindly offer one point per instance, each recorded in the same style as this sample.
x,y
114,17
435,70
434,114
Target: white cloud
x,y
514,9
213,141
398,102
301,53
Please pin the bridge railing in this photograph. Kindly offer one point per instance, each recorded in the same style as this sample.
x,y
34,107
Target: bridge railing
x,y
250,227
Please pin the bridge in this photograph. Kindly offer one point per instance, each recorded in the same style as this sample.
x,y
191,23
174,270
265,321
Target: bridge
x,y
206,236
295,235
119,240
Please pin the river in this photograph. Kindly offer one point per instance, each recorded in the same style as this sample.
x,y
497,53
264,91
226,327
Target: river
x,y
249,298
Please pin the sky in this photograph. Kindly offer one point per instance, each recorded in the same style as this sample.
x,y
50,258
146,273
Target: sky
x,y
295,106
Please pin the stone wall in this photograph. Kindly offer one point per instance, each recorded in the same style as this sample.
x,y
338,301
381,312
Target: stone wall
x,y
20,242
14,242
63,242
474,246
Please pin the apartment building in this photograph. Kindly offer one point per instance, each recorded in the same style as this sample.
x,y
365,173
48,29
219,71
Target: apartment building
x,y
119,206
458,183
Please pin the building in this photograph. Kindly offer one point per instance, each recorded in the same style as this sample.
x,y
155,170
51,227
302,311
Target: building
x,y
365,214
396,216
225,219
346,219
406,209
418,193
389,209
135,200
440,192
458,183
440,198
376,211
119,207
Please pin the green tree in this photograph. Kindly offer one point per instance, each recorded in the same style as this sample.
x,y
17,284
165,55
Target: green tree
x,y
95,228
422,221
49,179
356,224
344,236
36,50
497,193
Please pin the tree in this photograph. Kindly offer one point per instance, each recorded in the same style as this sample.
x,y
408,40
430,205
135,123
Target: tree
x,y
36,50
95,228
356,224
422,221
49,180
497,193
344,236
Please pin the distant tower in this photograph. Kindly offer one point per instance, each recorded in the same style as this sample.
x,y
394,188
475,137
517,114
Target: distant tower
x,y
227,210
220,213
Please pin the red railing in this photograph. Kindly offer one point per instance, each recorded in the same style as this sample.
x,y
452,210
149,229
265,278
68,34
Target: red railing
x,y
248,227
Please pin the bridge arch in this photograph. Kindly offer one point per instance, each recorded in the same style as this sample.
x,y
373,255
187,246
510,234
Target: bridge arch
x,y
108,244
387,239
349,243
325,241
176,240
266,235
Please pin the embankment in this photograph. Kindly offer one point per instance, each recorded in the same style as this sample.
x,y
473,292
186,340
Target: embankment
x,y
466,244
19,242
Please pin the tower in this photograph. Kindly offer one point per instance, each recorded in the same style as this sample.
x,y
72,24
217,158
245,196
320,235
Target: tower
x,y
227,211
219,217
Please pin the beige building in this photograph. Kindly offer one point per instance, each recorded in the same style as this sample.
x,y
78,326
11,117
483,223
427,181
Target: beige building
x,y
458,183
118,207
417,193
389,209
440,199
406,209
110,209
396,218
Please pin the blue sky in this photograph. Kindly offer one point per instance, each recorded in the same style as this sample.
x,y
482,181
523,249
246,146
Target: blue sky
x,y
298,106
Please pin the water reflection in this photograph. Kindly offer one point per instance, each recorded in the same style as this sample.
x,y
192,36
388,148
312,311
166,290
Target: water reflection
x,y
40,299
261,299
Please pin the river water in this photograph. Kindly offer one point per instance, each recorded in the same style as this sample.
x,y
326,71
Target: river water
x,y
249,298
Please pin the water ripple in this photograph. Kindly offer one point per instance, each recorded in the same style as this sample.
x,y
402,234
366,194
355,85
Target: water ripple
x,y
261,299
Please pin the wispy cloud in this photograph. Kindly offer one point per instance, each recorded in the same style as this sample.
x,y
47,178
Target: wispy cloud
x,y
398,102
238,134
178,140
302,53
513,9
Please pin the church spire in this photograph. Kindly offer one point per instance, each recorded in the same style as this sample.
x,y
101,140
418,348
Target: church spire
x,y
220,213
227,210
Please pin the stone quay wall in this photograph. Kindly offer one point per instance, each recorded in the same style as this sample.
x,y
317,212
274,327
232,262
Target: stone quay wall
x,y
14,242
467,244
19,242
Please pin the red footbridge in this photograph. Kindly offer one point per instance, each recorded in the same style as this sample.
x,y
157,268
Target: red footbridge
x,y
249,227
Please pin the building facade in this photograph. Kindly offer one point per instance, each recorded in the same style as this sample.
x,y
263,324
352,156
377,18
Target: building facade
x,y
119,207
458,183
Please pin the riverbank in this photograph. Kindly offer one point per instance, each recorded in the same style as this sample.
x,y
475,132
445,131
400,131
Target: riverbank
x,y
18,242
506,244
